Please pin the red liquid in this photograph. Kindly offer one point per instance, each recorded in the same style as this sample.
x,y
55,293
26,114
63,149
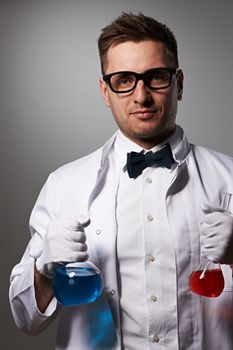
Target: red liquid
x,y
211,285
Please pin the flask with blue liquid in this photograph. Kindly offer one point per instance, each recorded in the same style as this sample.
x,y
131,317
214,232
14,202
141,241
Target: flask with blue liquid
x,y
77,283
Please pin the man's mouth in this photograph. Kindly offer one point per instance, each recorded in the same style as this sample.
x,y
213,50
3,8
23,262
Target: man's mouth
x,y
144,113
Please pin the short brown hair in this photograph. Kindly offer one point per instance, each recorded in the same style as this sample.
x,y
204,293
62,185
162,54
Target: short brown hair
x,y
131,27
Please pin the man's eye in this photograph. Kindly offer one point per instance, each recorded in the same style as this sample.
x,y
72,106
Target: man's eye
x,y
160,76
125,80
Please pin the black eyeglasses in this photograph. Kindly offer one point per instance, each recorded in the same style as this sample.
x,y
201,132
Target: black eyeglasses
x,y
154,79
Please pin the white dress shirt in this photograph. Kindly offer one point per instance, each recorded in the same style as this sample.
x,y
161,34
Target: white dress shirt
x,y
147,274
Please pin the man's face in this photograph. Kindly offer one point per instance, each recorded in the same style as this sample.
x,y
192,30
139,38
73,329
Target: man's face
x,y
143,115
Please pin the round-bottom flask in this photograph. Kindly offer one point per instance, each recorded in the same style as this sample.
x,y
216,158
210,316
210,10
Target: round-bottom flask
x,y
77,283
207,279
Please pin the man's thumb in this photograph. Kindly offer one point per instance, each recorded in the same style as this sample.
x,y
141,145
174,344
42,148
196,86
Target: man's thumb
x,y
83,220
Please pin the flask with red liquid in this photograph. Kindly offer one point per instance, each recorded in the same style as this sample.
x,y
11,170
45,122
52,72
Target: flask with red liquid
x,y
207,279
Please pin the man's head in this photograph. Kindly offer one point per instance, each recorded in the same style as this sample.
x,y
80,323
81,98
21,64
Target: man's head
x,y
142,98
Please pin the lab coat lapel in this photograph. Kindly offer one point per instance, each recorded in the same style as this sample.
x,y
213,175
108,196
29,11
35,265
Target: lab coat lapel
x,y
102,165
101,233
184,226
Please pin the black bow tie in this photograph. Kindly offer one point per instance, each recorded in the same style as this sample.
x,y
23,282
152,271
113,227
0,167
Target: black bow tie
x,y
137,162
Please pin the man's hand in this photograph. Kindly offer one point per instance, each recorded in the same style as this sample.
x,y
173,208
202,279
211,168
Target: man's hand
x,y
217,235
64,242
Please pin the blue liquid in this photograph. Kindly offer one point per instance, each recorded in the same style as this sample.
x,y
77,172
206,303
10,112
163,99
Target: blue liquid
x,y
77,285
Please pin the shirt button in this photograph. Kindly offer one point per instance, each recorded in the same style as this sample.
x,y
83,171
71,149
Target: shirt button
x,y
155,339
151,258
153,298
98,232
148,180
150,217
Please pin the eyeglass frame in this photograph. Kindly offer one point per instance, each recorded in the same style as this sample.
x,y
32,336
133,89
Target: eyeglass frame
x,y
140,76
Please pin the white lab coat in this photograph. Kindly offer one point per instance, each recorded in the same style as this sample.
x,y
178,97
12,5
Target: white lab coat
x,y
89,186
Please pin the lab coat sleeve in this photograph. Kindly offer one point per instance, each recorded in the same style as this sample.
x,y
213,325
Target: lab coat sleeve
x,y
24,309
22,294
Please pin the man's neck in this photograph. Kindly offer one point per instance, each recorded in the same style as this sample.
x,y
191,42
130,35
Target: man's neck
x,y
148,143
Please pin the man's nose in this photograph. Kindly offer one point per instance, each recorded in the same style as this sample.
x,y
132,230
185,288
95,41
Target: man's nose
x,y
141,93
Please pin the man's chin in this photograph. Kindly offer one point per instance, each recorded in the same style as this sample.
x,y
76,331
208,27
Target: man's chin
x,y
153,136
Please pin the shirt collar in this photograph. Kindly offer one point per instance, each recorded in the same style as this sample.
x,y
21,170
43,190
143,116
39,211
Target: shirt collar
x,y
177,140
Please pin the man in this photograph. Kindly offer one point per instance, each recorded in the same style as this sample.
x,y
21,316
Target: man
x,y
135,215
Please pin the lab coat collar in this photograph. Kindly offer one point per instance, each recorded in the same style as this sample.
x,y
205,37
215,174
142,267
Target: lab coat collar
x,y
101,163
179,145
106,149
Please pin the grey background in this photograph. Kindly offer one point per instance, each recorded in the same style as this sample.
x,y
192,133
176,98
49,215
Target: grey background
x,y
52,112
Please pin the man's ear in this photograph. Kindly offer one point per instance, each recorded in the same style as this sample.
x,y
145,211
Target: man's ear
x,y
180,84
104,91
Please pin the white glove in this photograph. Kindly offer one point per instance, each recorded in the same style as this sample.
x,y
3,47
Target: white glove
x,y
64,242
217,234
